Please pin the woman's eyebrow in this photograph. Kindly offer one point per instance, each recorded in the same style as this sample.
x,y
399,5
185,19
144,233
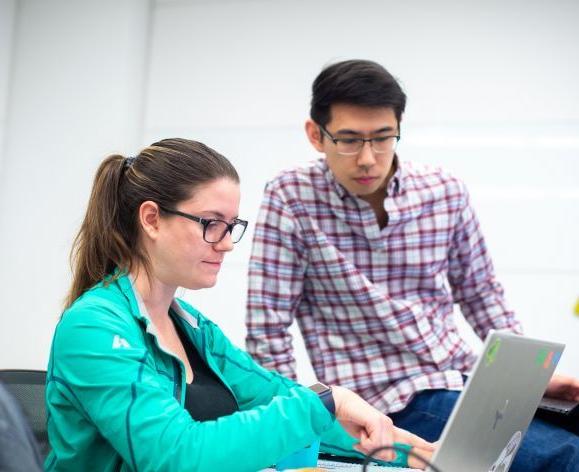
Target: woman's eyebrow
x,y
217,214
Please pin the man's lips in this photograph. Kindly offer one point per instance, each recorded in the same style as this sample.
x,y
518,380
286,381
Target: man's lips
x,y
366,180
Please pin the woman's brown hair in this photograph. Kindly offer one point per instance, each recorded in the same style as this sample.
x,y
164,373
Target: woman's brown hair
x,y
167,172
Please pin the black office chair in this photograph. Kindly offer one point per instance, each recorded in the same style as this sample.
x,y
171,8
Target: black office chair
x,y
27,387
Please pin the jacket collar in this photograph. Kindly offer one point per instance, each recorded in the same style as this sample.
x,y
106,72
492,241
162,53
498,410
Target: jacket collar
x,y
139,310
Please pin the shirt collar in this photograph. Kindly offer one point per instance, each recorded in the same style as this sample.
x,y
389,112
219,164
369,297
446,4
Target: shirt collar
x,y
393,188
329,176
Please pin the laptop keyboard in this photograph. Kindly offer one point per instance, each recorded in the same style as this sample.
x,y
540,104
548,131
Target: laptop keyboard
x,y
324,464
351,467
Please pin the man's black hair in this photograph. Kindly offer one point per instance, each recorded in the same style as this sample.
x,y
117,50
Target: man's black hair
x,y
355,82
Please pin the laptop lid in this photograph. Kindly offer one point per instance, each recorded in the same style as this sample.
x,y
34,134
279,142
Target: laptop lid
x,y
500,397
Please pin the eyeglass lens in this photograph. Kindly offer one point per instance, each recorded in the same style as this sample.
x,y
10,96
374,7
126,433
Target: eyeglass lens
x,y
379,145
216,230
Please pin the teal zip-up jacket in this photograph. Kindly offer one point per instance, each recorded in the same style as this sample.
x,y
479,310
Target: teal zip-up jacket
x,y
115,397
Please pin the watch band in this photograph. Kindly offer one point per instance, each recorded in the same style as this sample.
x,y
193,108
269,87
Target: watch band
x,y
325,394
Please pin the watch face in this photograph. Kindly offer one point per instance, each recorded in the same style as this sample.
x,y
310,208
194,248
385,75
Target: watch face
x,y
319,388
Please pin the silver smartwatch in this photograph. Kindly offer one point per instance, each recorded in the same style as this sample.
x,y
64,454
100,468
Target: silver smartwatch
x,y
325,394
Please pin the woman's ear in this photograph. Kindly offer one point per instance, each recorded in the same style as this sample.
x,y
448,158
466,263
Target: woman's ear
x,y
314,135
149,219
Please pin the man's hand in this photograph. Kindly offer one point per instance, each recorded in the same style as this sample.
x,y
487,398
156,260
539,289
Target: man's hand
x,y
563,387
373,429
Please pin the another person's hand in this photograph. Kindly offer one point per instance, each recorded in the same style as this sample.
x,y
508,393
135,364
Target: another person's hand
x,y
373,429
563,387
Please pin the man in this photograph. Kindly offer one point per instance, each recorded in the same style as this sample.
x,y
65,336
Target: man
x,y
369,253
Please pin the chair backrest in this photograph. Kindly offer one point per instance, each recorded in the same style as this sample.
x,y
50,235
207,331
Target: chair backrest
x,y
28,386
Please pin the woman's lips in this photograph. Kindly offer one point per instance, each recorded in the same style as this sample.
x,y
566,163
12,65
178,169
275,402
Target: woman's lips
x,y
214,265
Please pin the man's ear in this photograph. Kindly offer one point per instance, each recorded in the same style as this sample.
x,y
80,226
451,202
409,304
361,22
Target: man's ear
x,y
149,219
314,135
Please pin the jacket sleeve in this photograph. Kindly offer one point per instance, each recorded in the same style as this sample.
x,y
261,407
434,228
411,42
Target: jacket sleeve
x,y
101,367
472,278
251,383
253,386
276,276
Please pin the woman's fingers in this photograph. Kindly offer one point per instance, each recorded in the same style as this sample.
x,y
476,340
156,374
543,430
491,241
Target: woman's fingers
x,y
382,438
388,455
365,446
422,448
416,463
374,429
383,455
406,437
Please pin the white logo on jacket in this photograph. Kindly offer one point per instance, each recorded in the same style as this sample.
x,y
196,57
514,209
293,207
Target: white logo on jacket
x,y
120,343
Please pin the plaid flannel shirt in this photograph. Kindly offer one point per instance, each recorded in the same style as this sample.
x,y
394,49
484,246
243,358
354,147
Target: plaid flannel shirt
x,y
375,306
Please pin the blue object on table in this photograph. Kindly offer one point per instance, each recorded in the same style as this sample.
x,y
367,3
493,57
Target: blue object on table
x,y
306,457
401,459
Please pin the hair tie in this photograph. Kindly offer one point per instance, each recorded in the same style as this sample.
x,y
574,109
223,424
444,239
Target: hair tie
x,y
129,161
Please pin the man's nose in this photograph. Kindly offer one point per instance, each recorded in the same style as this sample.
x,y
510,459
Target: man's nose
x,y
366,157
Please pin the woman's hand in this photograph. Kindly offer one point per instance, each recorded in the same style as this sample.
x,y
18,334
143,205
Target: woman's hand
x,y
373,429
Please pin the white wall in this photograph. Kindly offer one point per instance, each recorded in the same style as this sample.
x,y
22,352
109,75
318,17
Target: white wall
x,y
7,12
492,96
76,93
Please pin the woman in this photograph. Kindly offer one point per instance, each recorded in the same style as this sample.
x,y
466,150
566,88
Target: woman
x,y
138,380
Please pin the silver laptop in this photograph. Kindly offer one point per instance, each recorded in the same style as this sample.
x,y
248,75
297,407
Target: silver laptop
x,y
493,412
500,398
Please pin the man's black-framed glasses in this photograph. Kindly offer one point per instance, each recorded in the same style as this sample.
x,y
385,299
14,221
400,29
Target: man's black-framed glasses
x,y
352,146
214,230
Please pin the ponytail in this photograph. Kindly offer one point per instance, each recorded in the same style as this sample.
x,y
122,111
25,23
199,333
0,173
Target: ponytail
x,y
100,244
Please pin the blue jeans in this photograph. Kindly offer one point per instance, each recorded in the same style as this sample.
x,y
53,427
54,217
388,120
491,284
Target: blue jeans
x,y
545,447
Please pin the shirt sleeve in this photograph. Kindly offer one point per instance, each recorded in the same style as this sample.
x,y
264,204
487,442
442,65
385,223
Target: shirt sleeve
x,y
103,381
276,276
472,277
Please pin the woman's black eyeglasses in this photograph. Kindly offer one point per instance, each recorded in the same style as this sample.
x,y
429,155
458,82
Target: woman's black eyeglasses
x,y
214,230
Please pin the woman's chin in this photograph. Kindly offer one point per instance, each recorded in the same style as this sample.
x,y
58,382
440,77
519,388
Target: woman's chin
x,y
200,284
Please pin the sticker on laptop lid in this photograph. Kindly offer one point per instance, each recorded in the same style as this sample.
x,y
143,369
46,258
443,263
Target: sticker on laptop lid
x,y
492,351
546,358
508,454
